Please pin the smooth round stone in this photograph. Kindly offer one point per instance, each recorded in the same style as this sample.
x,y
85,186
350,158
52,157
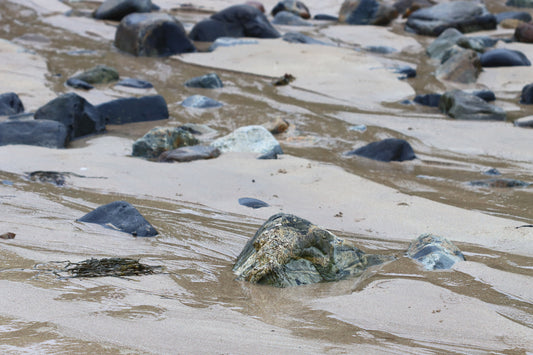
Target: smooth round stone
x,y
524,122
526,97
252,202
501,57
390,149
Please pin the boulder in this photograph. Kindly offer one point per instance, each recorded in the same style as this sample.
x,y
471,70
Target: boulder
x,y
77,114
524,33
117,9
289,19
466,16
252,202
524,122
10,104
185,154
297,37
161,139
526,97
208,81
515,15
434,252
100,74
367,12
133,109
519,3
462,67
152,35
293,6
502,57
431,100
122,216
135,83
500,183
230,42
251,139
199,101
288,251
464,106
390,149
234,21
44,133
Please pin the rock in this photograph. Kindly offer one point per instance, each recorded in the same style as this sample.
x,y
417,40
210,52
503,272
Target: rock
x,y
464,106
234,21
185,154
486,95
478,44
462,67
524,122
152,35
446,40
283,80
277,125
257,5
297,37
10,104
515,15
524,33
390,149
252,202
366,12
358,128
208,81
251,139
122,216
526,97
500,183
289,19
161,139
502,57
44,133
323,17
135,83
50,177
8,235
380,49
77,114
199,101
133,109
466,16
431,100
405,72
293,6
510,23
79,84
201,130
116,9
100,74
519,3
492,171
230,42
434,252
406,7
288,251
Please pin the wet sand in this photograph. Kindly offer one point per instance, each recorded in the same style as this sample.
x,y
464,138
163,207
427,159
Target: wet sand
x,y
195,305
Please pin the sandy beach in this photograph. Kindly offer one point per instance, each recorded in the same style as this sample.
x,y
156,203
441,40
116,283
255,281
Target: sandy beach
x,y
195,305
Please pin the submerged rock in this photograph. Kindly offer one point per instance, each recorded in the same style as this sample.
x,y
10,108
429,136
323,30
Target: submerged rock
x,y
133,109
135,83
77,114
161,139
190,153
43,133
207,81
464,106
230,42
152,35
251,139
367,12
390,149
252,202
199,101
500,183
100,74
122,216
502,57
288,251
117,9
10,104
434,252
297,37
79,84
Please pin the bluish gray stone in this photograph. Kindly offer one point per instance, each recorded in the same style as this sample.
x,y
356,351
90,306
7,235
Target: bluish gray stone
x,y
133,109
500,183
390,149
79,84
517,15
117,9
464,106
297,37
10,104
366,12
251,139
207,81
44,133
230,42
189,153
199,101
502,57
446,40
431,100
252,202
434,252
289,19
520,3
135,83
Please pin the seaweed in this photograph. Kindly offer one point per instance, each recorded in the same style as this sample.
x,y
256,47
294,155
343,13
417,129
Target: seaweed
x,y
109,267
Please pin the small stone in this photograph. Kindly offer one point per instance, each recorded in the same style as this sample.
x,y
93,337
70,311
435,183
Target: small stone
x,y
135,83
431,100
10,104
295,7
500,183
289,19
134,109
117,9
7,235
461,105
524,122
434,252
277,125
286,79
208,81
100,74
390,149
43,133
367,12
79,84
161,139
252,202
251,139
199,101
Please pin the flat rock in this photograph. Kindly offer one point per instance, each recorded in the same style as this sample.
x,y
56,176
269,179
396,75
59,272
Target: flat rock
x,y
434,252
252,202
431,100
464,106
463,66
525,122
366,12
117,9
135,83
390,149
230,42
44,133
190,153
251,139
502,57
288,251
10,104
199,101
515,15
133,109
122,216
289,19
207,81
100,74
500,183
297,37
162,139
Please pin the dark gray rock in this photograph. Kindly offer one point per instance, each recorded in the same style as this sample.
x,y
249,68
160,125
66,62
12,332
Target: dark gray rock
x,y
288,251
122,216
444,42
463,66
152,35
117,9
464,106
135,83
390,149
478,44
367,12
431,100
79,84
252,202
323,17
185,154
466,16
502,57
434,252
49,177
289,19
526,97
295,7
251,139
162,139
524,122
492,171
519,3
500,183
10,104
297,37
44,133
100,74
516,15
486,95
208,81
77,114
234,21
405,72
133,109
199,101
380,49
230,42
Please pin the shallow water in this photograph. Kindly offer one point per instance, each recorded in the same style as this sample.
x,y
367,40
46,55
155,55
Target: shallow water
x,y
198,244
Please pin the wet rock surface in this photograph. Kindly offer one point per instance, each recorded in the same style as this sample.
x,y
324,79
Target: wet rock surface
x,y
434,252
122,216
208,81
526,96
43,133
390,149
10,104
296,7
100,74
200,101
133,109
161,139
502,57
117,9
289,251
252,202
500,183
135,83
464,106
367,12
